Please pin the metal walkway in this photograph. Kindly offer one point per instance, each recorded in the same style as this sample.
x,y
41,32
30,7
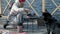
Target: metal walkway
x,y
52,5
29,28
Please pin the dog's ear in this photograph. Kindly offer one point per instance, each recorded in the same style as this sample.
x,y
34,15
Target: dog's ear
x,y
46,14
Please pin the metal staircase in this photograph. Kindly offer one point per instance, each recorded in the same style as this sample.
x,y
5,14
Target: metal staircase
x,y
28,27
31,26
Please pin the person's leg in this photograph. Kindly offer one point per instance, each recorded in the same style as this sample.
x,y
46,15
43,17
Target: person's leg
x,y
8,21
20,23
19,27
6,25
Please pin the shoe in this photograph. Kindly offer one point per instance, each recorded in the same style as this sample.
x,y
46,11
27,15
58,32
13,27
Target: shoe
x,y
5,25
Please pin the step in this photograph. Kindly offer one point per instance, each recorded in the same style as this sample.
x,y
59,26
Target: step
x,y
3,20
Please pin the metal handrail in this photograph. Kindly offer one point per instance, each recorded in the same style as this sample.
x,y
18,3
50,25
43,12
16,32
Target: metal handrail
x,y
54,2
57,7
6,6
0,6
8,2
33,8
54,11
32,2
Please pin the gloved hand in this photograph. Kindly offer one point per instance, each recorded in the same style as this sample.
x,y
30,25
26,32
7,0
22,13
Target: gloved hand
x,y
27,11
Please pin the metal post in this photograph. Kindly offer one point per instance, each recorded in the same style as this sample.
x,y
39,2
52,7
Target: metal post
x,y
43,5
0,9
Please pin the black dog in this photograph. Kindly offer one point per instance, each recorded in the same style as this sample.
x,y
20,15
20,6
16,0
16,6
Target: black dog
x,y
50,21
